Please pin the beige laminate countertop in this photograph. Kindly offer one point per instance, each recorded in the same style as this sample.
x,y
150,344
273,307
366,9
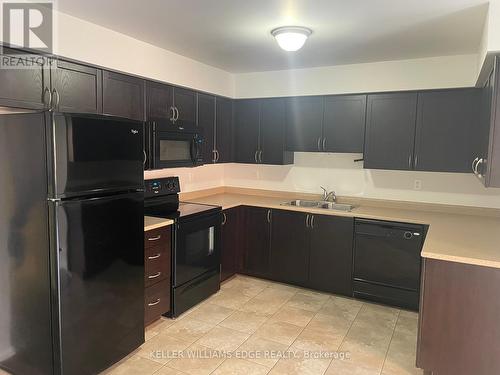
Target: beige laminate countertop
x,y
151,223
471,238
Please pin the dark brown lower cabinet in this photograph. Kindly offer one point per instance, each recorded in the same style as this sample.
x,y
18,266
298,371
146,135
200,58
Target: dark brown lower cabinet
x,y
256,225
231,242
459,330
312,250
330,259
157,273
290,247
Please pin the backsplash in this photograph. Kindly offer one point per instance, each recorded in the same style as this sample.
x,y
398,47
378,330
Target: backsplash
x,y
339,172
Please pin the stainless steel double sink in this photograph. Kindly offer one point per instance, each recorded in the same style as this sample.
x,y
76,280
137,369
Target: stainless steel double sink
x,y
320,204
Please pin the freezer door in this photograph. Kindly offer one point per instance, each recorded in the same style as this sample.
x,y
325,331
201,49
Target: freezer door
x,y
94,154
25,320
101,278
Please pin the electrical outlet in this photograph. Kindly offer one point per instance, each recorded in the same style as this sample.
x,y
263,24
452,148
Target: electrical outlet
x,y
417,185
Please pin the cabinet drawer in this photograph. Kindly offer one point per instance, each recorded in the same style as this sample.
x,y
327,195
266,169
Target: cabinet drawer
x,y
156,266
158,237
156,301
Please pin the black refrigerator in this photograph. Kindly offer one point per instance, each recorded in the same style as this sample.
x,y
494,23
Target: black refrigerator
x,y
71,242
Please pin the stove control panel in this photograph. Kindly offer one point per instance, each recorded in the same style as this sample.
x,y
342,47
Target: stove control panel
x,y
162,186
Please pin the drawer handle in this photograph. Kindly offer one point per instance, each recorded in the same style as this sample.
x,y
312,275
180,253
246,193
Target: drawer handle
x,y
154,303
155,238
158,274
154,256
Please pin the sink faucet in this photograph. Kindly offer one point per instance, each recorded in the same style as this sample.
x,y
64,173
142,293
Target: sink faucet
x,y
329,196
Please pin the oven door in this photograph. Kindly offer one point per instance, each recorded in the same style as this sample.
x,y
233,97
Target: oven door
x,y
197,247
177,149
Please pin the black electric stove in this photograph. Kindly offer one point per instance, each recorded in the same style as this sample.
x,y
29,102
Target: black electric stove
x,y
196,242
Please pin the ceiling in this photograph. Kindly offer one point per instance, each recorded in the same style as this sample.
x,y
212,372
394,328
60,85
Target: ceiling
x,y
234,35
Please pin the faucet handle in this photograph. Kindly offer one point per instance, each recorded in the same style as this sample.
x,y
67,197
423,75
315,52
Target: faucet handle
x,y
325,192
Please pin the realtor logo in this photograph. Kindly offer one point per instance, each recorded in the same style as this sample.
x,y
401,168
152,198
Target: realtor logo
x,y
28,25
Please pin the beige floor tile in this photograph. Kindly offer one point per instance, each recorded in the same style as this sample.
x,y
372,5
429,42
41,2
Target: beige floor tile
x,y
298,317
340,306
244,321
338,325
285,287
346,367
240,366
155,328
284,333
165,370
197,360
265,306
315,340
188,329
133,366
301,365
378,315
407,324
231,299
370,333
262,351
307,301
401,356
162,347
223,339
211,313
275,295
363,355
249,289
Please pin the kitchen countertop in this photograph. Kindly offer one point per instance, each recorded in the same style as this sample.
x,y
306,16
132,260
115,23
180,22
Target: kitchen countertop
x,y
151,223
464,235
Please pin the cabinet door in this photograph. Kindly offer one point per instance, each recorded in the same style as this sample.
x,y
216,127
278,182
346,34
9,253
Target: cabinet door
x,y
330,266
272,133
206,121
304,119
390,131
185,103
22,88
76,88
230,242
246,129
160,101
224,130
123,96
256,224
447,122
290,247
344,123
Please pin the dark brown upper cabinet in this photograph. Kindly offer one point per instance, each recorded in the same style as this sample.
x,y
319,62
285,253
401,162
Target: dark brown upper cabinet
x,y
330,257
257,225
160,98
224,130
344,123
447,121
304,123
260,132
123,96
290,247
486,163
390,131
76,88
246,128
185,107
206,122
24,88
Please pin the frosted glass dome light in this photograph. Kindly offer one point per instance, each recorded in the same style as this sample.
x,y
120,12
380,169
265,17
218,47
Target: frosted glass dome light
x,y
291,38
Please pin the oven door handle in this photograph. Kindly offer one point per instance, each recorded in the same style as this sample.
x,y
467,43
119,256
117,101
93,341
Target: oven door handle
x,y
194,150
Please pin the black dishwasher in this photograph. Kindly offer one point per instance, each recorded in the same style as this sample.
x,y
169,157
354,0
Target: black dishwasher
x,y
387,262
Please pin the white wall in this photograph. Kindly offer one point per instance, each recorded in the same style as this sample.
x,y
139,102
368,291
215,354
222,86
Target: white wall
x,y
339,172
428,73
87,42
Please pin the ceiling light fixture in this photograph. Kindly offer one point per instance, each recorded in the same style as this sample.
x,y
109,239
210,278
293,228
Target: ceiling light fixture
x,y
291,38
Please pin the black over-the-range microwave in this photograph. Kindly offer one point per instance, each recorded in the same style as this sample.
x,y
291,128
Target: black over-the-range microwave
x,y
168,146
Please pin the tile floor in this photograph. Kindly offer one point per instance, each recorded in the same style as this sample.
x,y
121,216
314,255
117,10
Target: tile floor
x,y
254,326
